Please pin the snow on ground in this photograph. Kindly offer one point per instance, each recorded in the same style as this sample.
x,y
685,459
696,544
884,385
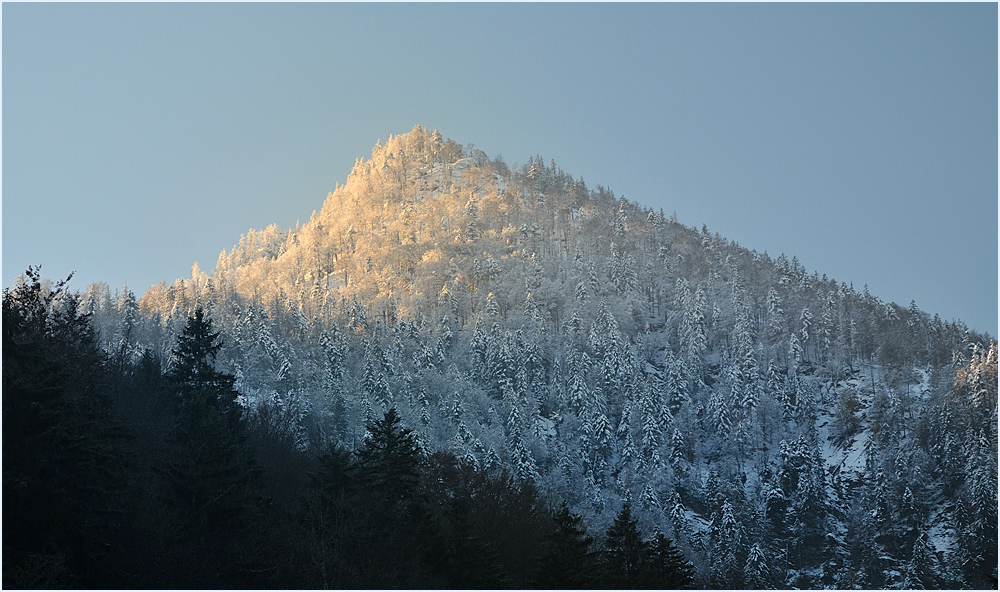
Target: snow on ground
x,y
854,458
434,181
460,166
924,384
940,535
847,461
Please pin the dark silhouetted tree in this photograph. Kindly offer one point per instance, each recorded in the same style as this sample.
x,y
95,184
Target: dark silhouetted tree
x,y
62,461
668,568
567,561
389,459
626,554
211,475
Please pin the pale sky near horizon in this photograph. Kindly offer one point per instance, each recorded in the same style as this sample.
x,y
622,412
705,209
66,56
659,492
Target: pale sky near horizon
x,y
861,138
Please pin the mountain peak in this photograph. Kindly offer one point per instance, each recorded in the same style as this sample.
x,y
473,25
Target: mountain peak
x,y
516,317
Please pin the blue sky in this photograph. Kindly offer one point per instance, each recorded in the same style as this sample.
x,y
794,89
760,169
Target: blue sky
x,y
862,138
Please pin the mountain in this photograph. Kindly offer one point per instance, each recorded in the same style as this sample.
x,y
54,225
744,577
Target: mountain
x,y
784,428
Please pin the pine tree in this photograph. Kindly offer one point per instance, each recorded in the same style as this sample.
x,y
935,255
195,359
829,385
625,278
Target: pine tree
x,y
492,308
128,311
678,449
578,392
525,468
794,353
649,500
212,478
193,370
333,346
727,548
602,435
775,314
592,280
805,332
629,455
652,425
668,568
757,570
626,554
567,562
692,330
389,459
374,383
921,572
480,348
675,383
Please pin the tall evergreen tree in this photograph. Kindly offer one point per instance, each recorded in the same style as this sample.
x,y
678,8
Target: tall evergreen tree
x,y
389,459
193,371
728,548
213,483
626,554
668,568
567,561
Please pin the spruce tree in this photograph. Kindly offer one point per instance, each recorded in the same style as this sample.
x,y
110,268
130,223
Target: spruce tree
x,y
567,561
193,371
626,554
668,568
212,479
757,570
727,548
389,459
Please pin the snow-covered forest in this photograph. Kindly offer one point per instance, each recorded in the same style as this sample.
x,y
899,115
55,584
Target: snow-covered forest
x,y
781,428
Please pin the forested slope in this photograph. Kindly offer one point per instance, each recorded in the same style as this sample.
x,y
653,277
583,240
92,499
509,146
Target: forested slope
x,y
784,428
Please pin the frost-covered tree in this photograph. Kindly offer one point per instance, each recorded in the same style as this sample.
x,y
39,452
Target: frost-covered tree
x,y
728,548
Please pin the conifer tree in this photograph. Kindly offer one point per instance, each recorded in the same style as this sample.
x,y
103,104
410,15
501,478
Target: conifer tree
x,y
389,459
626,554
193,371
578,393
210,472
128,311
62,462
652,424
775,313
921,572
567,561
728,548
757,570
374,383
668,568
